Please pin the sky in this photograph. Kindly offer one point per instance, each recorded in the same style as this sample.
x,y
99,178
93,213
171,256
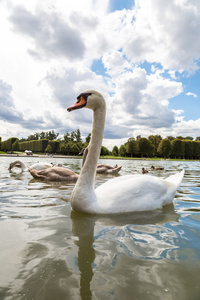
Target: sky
x,y
142,56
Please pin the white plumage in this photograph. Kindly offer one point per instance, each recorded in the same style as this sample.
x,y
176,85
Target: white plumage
x,y
124,194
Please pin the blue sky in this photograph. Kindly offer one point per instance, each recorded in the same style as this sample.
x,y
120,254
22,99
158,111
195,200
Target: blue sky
x,y
143,56
190,103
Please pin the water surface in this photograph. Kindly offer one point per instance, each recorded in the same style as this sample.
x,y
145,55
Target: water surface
x,y
48,252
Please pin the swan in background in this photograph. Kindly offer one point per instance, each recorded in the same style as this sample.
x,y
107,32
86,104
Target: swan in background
x,y
157,168
106,169
101,168
36,166
54,174
121,194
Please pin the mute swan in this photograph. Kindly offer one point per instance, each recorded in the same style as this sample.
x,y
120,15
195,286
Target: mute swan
x,y
122,194
37,166
54,174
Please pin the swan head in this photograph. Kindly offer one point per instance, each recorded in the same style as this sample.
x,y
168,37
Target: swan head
x,y
90,99
11,166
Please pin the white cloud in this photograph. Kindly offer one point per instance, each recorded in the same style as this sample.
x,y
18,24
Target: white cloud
x,y
47,49
51,35
166,33
191,94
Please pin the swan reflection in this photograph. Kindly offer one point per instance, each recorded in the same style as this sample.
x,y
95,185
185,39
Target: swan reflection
x,y
106,244
105,258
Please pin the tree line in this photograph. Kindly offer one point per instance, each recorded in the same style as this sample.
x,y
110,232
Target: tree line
x,y
169,147
72,144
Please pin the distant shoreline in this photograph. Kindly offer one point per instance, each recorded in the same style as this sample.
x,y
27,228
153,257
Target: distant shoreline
x,y
40,155
68,156
80,157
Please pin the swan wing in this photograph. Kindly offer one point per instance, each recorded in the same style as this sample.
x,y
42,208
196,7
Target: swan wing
x,y
41,166
54,174
135,193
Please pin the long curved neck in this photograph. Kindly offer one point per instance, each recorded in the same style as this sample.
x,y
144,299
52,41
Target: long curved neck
x,y
22,165
94,148
83,194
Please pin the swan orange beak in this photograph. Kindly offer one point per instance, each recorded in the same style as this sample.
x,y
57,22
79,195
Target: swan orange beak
x,y
81,102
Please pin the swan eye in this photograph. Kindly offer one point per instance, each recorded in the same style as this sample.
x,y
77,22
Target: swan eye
x,y
81,101
84,96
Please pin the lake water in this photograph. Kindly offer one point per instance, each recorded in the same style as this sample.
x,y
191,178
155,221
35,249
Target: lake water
x,y
49,253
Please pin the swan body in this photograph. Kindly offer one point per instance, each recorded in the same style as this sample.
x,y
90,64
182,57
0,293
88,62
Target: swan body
x,y
123,194
54,174
36,166
106,169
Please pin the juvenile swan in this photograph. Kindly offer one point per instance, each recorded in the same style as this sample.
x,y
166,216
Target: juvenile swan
x,y
122,194
36,166
55,174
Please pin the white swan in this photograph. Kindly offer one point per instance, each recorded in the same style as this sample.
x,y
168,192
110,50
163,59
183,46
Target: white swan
x,y
122,194
36,166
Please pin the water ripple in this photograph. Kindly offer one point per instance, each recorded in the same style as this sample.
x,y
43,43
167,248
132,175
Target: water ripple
x,y
54,253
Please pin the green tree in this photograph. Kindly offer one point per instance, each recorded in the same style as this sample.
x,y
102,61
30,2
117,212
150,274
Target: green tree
x,y
165,148
122,150
15,145
51,135
22,140
171,138
33,137
42,135
67,137
178,148
75,149
189,138
115,151
104,151
196,149
155,141
87,140
188,148
69,147
63,148
132,147
145,147
78,136
72,136
48,149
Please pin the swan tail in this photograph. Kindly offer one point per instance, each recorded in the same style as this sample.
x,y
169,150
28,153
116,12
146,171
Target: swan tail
x,y
35,174
176,178
115,170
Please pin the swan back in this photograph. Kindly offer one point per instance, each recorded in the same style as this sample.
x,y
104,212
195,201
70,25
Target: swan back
x,y
136,193
54,174
41,166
